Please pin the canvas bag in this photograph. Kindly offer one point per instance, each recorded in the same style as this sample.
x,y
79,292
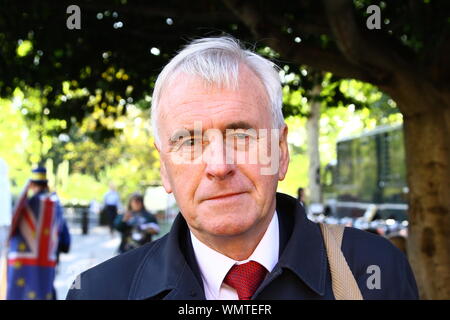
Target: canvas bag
x,y
342,280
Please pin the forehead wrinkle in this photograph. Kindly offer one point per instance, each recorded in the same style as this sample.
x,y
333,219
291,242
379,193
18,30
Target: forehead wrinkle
x,y
196,107
197,113
214,120
217,96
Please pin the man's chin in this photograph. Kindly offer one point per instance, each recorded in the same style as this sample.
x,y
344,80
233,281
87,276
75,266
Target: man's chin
x,y
227,229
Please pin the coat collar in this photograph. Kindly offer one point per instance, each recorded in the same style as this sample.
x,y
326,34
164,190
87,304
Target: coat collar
x,y
304,251
169,269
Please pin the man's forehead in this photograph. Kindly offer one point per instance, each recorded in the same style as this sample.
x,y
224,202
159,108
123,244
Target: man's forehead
x,y
185,88
212,109
195,91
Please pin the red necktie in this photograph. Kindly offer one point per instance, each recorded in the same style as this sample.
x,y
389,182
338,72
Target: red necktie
x,y
245,278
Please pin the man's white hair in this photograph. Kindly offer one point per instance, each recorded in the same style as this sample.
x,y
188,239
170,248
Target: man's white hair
x,y
217,60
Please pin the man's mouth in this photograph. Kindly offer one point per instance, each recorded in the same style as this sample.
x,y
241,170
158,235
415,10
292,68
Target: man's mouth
x,y
225,196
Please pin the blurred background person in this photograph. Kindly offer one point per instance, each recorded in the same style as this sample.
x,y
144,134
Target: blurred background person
x,y
37,235
301,196
5,202
137,225
111,205
5,220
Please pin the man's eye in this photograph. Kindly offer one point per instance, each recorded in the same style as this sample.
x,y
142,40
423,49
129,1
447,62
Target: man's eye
x,y
190,142
242,135
241,141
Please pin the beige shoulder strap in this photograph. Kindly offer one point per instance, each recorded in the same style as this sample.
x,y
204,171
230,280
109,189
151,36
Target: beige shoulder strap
x,y
343,282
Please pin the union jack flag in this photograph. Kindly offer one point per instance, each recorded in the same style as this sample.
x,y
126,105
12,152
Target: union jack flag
x,y
33,243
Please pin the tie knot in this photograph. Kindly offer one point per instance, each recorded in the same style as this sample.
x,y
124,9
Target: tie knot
x,y
245,278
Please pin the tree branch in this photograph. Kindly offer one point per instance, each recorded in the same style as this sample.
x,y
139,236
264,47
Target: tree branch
x,y
300,53
369,50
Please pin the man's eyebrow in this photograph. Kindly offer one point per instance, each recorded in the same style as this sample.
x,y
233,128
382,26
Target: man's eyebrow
x,y
183,132
239,125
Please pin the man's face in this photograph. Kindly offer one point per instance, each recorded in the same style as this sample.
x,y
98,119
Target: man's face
x,y
218,194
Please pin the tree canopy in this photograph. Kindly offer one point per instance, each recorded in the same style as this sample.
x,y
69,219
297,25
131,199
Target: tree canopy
x,y
114,58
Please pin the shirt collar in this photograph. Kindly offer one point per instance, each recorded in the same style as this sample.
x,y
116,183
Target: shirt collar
x,y
214,266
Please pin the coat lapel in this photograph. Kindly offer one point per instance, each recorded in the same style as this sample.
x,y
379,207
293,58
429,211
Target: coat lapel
x,y
301,247
167,270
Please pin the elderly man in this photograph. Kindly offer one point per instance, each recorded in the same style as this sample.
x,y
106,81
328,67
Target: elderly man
x,y
219,129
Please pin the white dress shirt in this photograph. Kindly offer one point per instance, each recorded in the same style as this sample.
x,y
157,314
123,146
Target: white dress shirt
x,y
214,266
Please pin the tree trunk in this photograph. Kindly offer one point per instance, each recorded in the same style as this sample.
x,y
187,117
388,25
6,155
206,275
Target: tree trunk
x,y
312,138
427,144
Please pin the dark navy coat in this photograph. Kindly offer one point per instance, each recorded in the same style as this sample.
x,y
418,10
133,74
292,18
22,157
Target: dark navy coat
x,y
167,269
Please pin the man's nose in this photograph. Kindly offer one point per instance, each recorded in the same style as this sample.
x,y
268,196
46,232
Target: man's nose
x,y
218,163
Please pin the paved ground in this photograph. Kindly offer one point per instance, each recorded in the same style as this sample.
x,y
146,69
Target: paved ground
x,y
86,252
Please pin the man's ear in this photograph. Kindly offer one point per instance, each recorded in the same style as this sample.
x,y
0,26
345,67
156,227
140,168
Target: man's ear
x,y
284,153
163,171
